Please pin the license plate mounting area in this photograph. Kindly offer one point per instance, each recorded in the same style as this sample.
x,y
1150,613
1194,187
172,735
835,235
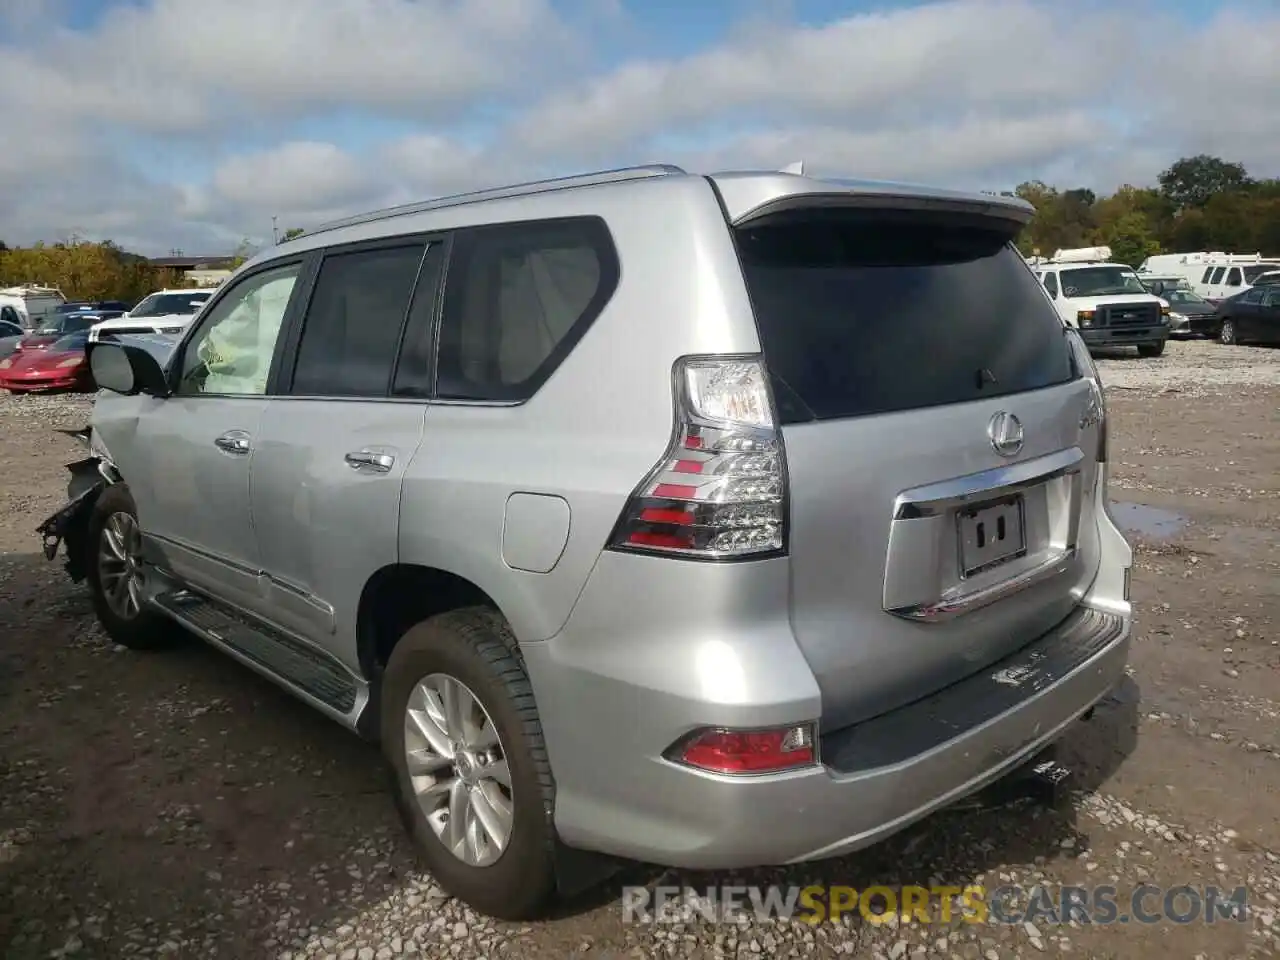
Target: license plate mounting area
x,y
991,534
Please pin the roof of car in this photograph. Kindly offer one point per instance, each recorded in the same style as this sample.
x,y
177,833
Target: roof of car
x,y
745,194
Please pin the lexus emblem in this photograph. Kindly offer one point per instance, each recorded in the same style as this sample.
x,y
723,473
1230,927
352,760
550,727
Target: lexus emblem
x,y
1005,433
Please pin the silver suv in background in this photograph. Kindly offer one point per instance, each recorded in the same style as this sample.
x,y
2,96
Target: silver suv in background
x,y
709,521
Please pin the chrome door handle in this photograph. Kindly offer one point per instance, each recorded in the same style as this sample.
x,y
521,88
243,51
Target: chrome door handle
x,y
381,462
233,441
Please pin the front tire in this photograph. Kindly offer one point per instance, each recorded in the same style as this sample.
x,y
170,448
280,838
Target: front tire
x,y
462,738
114,573
1227,333
1151,349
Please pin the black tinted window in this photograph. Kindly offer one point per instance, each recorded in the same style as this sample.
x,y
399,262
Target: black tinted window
x,y
353,322
1051,283
863,313
517,298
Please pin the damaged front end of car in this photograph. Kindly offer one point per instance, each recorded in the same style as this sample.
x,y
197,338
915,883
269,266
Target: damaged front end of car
x,y
69,525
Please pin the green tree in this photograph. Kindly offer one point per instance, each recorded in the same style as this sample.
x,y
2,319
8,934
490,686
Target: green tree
x,y
1130,239
1192,181
291,233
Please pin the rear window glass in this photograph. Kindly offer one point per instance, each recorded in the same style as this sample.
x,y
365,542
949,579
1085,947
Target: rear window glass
x,y
862,313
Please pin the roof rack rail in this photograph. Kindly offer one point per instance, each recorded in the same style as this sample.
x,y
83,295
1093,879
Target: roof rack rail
x,y
501,193
31,287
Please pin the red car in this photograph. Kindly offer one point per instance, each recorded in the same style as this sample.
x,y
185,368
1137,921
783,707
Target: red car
x,y
62,365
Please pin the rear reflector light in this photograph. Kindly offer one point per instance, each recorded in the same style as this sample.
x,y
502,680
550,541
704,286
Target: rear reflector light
x,y
719,492
748,751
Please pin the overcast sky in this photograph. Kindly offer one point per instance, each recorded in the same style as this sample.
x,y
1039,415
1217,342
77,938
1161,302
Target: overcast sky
x,y
188,124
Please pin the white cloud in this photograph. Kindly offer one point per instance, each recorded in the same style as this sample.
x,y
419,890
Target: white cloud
x,y
183,65
962,92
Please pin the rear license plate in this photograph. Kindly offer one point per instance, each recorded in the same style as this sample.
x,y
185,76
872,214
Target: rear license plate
x,y
990,535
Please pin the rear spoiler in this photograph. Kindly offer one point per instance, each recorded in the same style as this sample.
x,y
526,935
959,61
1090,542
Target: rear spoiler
x,y
753,198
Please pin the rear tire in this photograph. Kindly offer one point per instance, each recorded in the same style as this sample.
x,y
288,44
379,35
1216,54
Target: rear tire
x,y
127,621
1151,349
474,649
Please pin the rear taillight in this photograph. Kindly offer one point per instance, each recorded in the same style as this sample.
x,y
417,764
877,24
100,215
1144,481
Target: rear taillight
x,y
748,751
1095,412
719,492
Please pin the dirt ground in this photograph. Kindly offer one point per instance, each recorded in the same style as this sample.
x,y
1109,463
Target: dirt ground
x,y
176,805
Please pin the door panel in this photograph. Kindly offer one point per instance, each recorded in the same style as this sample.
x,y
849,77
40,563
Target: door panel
x,y
326,524
332,451
1269,317
194,450
193,494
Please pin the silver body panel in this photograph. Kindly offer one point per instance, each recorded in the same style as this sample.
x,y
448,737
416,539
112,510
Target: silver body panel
x,y
868,611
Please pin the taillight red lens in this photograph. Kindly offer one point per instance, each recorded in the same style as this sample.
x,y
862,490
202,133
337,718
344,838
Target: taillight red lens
x,y
750,751
719,490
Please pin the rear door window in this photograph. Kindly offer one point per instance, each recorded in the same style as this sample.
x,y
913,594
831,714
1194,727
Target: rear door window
x,y
870,312
353,323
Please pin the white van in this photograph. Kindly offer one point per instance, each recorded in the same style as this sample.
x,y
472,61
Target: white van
x,y
1105,301
1213,275
32,303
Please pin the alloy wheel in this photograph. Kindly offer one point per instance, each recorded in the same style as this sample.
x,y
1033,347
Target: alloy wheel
x,y
120,565
458,768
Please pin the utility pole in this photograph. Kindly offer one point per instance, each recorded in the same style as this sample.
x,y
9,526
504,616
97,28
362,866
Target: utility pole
x,y
275,238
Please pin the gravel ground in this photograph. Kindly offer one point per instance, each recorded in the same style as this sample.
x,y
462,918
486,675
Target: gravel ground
x,y
176,805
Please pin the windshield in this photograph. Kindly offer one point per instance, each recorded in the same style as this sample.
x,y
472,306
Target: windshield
x,y
162,304
1177,296
1100,282
1255,269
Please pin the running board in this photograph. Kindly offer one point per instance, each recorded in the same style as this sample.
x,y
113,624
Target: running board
x,y
313,676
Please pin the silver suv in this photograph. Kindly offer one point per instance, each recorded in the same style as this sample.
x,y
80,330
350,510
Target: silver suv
x,y
708,521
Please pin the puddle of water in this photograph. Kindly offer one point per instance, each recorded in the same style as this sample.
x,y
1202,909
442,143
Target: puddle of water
x,y
1148,521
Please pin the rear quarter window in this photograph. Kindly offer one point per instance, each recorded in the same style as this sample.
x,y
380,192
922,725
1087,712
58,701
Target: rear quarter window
x,y
517,299
863,312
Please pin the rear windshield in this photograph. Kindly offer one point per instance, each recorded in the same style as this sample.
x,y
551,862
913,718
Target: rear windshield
x,y
867,312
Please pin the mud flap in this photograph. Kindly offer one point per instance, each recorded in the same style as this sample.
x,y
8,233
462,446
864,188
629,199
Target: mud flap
x,y
578,871
69,524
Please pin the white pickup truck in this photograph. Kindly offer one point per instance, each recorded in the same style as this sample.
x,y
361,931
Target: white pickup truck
x,y
165,311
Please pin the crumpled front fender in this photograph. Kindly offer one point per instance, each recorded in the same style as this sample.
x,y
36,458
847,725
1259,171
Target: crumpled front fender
x,y
69,524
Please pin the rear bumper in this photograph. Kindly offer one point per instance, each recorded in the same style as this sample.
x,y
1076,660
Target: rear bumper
x,y
1123,336
876,778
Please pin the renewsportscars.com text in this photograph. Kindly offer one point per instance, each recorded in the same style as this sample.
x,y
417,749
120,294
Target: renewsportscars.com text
x,y
1009,904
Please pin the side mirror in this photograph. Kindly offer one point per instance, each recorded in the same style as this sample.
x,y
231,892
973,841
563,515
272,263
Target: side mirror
x,y
126,370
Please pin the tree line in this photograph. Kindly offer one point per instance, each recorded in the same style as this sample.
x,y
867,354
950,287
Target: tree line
x,y
98,271
1200,203
86,271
